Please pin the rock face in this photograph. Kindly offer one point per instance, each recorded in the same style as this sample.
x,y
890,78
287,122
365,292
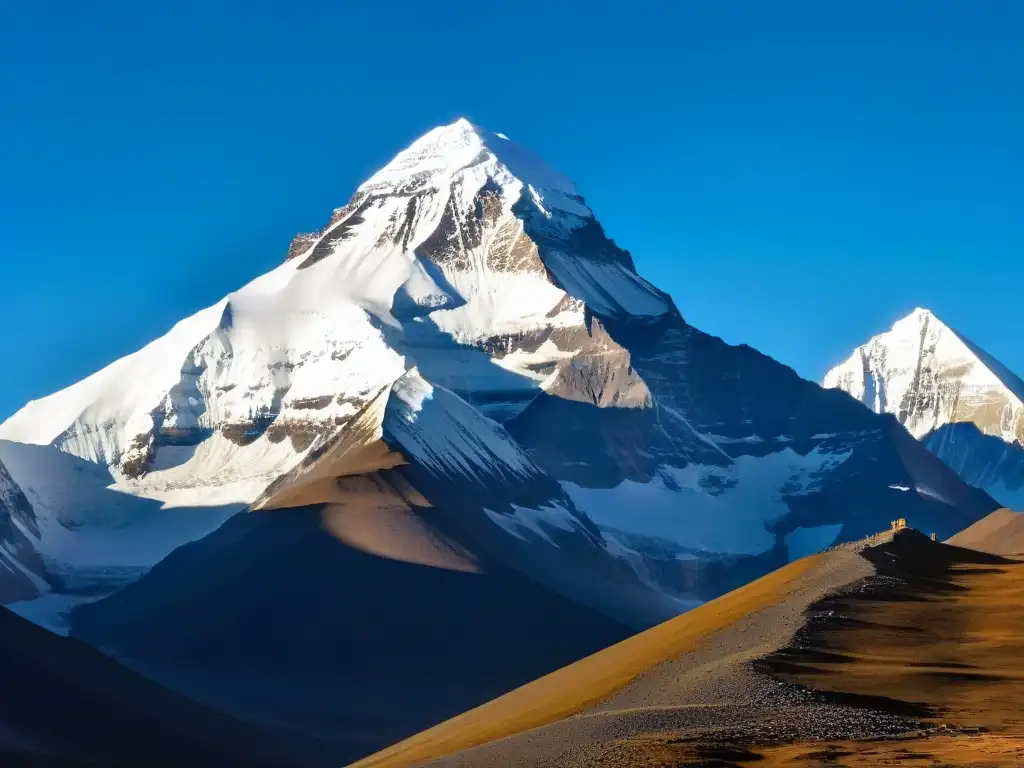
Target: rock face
x,y
21,567
965,405
465,383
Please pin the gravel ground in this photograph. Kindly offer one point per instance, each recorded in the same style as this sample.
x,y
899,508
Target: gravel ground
x,y
712,693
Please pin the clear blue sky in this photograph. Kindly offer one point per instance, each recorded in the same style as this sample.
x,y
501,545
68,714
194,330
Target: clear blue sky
x,y
797,175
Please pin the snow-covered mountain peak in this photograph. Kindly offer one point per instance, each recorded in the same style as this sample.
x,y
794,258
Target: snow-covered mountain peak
x,y
929,375
466,255
921,316
439,153
962,403
477,232
466,153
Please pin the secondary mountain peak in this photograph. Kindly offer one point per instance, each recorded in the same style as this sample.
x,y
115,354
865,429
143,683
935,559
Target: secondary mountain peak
x,y
927,374
965,405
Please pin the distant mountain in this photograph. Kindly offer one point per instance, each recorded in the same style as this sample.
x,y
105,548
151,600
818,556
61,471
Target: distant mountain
x,y
459,374
965,405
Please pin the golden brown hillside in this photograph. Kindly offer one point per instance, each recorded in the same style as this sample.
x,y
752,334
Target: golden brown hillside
x,y
904,653
574,688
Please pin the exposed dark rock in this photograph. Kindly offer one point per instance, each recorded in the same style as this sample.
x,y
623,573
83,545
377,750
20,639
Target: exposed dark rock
x,y
301,432
22,570
444,245
567,304
14,503
239,433
139,456
311,403
600,373
349,217
301,243
182,435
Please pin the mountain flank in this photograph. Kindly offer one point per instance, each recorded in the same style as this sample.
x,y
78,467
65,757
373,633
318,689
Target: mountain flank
x,y
289,622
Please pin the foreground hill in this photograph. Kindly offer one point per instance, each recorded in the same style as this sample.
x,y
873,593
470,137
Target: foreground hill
x,y
459,394
873,653
961,402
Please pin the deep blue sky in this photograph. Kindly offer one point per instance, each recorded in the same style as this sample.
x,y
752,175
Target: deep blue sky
x,y
796,175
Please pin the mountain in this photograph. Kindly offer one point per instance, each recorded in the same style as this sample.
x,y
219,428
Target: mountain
x,y
965,405
457,396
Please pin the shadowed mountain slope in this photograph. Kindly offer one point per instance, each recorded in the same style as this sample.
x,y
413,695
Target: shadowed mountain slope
x,y
343,648
66,704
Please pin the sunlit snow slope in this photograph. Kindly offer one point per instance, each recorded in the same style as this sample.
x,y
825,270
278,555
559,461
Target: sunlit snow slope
x,y
965,405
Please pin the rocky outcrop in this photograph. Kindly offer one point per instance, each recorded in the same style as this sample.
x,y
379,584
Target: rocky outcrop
x,y
599,373
301,243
